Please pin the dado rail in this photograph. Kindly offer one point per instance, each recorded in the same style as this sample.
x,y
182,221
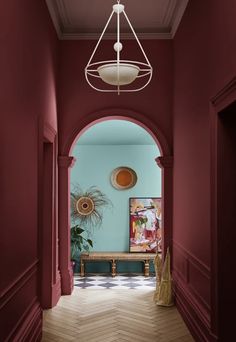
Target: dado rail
x,y
114,257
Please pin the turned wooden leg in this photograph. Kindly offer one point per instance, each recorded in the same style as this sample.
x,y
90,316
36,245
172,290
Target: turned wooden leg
x,y
113,268
146,268
82,268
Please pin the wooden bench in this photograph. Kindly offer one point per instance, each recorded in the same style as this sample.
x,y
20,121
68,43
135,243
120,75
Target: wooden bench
x,y
113,257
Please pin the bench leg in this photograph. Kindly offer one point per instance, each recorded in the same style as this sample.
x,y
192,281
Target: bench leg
x,y
82,268
113,268
146,268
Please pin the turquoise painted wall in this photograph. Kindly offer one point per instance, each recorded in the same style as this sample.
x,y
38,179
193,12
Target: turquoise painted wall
x,y
94,164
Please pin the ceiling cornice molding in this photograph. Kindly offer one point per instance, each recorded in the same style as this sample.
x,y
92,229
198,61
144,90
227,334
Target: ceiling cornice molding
x,y
169,13
112,36
62,23
54,13
179,12
63,13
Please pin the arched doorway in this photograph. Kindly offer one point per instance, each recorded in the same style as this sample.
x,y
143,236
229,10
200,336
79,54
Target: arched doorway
x,y
66,162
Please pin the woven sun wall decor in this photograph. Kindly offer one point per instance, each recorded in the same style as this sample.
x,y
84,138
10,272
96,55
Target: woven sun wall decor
x,y
87,206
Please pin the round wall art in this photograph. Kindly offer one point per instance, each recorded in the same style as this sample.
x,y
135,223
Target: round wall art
x,y
85,206
123,178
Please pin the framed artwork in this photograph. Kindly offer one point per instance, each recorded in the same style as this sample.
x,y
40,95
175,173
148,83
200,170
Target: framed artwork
x,y
145,224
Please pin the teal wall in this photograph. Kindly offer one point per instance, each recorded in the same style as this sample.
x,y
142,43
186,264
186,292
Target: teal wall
x,y
94,164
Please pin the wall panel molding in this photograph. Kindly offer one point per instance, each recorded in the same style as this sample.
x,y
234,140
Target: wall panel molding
x,y
21,313
18,283
192,279
197,321
29,327
203,268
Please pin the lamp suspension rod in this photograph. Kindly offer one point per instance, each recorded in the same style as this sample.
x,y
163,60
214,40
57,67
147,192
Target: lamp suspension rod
x,y
118,50
100,38
136,38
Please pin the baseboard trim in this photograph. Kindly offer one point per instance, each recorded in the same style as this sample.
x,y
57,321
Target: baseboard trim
x,y
186,269
198,324
67,281
56,290
29,327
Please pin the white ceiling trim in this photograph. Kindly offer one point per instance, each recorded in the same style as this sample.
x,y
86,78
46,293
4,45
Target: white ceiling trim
x,y
112,36
168,14
63,12
178,16
53,10
60,21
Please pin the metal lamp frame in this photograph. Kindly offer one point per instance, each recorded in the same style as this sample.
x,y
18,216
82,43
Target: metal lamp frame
x,y
145,69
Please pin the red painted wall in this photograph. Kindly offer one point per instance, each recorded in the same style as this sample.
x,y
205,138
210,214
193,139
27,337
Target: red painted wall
x,y
79,105
77,99
204,62
27,100
199,63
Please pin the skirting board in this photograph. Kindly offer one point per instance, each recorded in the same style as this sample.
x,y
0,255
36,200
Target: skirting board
x,y
197,325
29,328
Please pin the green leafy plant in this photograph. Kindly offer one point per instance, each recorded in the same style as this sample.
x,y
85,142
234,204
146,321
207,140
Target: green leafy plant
x,y
78,242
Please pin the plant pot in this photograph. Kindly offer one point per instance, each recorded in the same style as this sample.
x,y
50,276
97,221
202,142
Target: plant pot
x,y
72,263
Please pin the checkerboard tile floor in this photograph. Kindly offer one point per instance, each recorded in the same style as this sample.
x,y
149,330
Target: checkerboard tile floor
x,y
124,281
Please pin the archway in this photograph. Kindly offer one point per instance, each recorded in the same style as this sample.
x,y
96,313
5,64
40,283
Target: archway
x,y
66,161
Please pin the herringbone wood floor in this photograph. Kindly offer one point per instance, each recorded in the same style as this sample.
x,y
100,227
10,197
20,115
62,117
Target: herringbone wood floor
x,y
113,315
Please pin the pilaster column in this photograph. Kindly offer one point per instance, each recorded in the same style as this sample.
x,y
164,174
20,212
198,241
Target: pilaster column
x,y
166,165
64,165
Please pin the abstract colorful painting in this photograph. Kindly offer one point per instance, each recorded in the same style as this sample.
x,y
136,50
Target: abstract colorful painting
x,y
145,224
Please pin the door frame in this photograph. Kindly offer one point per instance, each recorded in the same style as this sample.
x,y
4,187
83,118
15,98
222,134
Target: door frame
x,y
223,99
49,283
65,162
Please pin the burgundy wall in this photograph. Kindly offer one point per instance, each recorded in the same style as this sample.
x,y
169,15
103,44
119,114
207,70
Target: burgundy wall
x,y
77,99
204,62
79,105
27,102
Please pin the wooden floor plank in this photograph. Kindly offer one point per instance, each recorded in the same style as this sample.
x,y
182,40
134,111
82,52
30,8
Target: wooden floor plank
x,y
114,315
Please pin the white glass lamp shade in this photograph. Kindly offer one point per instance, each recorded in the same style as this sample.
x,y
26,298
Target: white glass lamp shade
x,y
118,74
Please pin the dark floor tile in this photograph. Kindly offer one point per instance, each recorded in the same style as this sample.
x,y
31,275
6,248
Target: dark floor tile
x,y
108,285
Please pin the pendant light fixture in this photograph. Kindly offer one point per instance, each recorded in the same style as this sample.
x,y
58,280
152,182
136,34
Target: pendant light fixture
x,y
118,73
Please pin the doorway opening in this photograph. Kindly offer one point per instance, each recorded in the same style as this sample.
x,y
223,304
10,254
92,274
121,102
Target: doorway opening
x,y
66,162
101,149
226,219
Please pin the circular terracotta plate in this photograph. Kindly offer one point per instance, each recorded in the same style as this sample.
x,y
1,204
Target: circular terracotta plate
x,y
123,178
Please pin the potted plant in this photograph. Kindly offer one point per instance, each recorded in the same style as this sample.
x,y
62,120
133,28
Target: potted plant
x,y
78,243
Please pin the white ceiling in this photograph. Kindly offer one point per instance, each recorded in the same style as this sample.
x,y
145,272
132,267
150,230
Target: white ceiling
x,y
115,132
85,19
